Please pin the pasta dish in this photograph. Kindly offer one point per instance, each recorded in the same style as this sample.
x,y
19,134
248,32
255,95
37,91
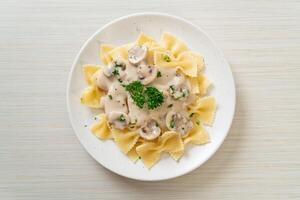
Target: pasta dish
x,y
152,97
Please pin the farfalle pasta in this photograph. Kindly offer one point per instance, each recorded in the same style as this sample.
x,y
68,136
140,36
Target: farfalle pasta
x,y
151,96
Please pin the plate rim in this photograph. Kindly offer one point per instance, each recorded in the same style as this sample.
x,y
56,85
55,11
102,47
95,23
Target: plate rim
x,y
160,14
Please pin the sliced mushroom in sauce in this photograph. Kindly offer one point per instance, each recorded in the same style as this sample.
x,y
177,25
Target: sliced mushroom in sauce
x,y
176,121
179,88
137,53
116,68
146,73
118,120
150,130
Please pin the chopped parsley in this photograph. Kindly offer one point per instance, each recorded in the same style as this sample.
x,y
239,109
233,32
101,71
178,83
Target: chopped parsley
x,y
85,125
172,123
158,74
198,123
136,90
184,93
154,97
167,58
110,97
141,95
120,80
192,114
115,71
122,118
170,106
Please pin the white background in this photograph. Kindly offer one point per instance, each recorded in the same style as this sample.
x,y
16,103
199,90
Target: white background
x,y
41,158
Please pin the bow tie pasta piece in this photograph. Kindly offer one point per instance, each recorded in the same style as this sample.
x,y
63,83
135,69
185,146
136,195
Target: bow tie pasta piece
x,y
149,42
200,84
199,60
173,44
125,139
144,39
205,109
91,96
185,61
152,46
120,52
88,72
132,154
150,152
101,128
197,135
104,49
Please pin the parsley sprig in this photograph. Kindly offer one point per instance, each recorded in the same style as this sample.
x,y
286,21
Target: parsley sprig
x,y
141,95
136,90
154,97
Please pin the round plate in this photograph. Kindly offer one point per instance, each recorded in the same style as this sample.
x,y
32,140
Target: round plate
x,y
125,30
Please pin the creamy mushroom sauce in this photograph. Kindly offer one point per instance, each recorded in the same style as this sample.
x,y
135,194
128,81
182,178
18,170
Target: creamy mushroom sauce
x,y
122,111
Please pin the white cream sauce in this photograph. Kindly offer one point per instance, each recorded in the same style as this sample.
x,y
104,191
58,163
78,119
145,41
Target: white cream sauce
x,y
118,100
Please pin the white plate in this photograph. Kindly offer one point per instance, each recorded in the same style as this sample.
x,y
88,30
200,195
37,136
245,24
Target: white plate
x,y
125,30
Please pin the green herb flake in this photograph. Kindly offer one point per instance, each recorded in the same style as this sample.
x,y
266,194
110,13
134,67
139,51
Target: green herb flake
x,y
170,106
172,123
136,90
120,80
122,118
141,95
198,123
85,125
167,58
158,74
115,72
192,114
110,97
140,157
95,118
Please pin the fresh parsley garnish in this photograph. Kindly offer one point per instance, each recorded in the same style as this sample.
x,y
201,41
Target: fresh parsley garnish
x,y
167,58
170,106
141,95
158,74
110,97
154,97
136,90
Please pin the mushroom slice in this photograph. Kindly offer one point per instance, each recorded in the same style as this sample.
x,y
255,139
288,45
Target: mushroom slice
x,y
115,68
118,119
178,122
179,89
150,130
137,53
146,73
